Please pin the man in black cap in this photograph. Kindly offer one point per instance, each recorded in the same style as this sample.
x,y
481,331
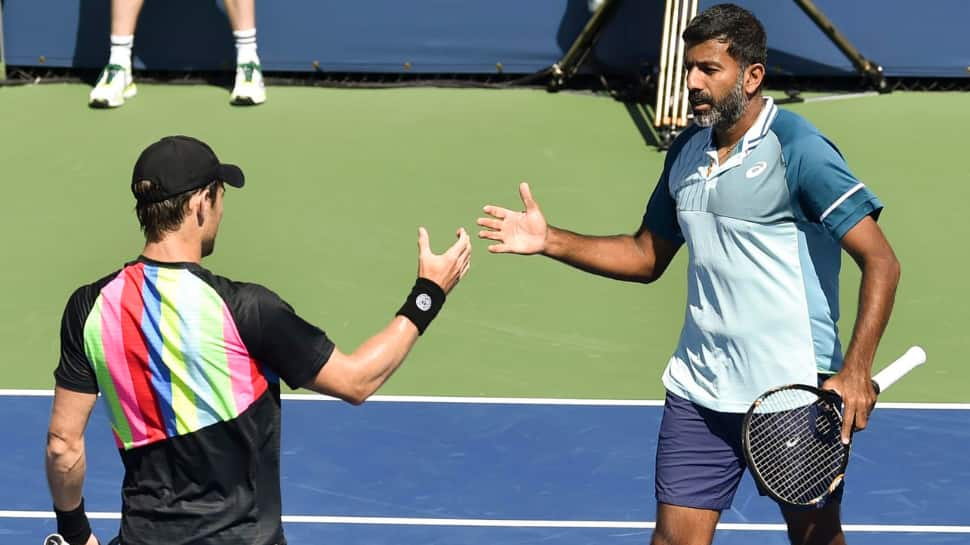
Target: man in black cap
x,y
188,364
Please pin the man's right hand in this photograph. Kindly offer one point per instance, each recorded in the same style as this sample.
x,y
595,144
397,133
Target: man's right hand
x,y
448,268
516,232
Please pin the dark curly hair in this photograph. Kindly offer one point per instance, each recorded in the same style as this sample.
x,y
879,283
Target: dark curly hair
x,y
733,25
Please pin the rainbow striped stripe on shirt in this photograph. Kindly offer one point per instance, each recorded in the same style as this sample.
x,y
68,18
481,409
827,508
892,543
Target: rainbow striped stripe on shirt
x,y
167,355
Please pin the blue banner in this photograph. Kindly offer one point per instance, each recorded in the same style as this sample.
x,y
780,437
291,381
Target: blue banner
x,y
474,36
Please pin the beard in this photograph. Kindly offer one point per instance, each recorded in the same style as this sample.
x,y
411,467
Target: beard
x,y
722,113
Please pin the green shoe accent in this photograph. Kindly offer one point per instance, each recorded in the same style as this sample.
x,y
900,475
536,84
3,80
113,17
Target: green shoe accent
x,y
248,68
112,71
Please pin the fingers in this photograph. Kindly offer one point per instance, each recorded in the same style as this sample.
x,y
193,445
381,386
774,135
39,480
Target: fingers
x,y
465,250
833,384
464,258
424,243
861,419
848,420
461,253
462,245
490,223
496,211
492,235
857,421
447,268
527,200
855,417
524,192
848,411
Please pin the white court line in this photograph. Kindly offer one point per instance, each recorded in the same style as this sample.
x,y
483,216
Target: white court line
x,y
517,400
944,406
27,393
515,523
846,96
492,400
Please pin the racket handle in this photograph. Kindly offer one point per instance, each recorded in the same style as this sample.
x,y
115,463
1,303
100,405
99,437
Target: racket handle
x,y
913,357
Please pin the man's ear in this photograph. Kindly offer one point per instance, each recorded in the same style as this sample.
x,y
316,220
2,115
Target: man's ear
x,y
196,206
754,77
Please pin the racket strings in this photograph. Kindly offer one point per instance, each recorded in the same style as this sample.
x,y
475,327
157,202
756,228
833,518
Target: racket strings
x,y
806,464
801,483
814,464
795,444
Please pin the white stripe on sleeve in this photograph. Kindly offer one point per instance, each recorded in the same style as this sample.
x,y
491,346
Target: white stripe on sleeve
x,y
841,200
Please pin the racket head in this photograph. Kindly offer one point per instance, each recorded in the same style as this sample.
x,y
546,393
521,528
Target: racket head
x,y
792,441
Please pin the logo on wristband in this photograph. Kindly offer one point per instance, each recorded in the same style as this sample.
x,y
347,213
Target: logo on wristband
x,y
423,301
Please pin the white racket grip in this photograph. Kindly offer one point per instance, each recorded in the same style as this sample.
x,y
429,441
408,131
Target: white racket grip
x,y
913,357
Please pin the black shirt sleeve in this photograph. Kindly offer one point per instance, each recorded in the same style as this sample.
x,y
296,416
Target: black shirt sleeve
x,y
74,370
278,338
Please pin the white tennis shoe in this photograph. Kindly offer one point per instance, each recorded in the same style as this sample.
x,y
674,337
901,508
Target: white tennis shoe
x,y
115,85
248,89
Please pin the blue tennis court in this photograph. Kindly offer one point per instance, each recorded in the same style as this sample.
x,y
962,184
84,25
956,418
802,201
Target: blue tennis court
x,y
449,470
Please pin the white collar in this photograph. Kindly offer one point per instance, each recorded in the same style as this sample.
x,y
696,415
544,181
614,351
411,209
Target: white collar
x,y
760,128
754,135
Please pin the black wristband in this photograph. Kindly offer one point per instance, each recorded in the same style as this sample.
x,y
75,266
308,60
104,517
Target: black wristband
x,y
73,525
423,303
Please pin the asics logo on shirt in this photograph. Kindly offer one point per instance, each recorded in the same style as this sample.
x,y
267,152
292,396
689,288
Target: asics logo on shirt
x,y
757,169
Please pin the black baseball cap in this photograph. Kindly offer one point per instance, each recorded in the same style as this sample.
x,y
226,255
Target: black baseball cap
x,y
176,164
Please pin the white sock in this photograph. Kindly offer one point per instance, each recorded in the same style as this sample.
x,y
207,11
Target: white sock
x,y
121,50
245,46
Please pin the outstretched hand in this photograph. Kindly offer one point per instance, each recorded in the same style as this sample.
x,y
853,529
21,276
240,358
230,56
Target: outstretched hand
x,y
447,268
515,232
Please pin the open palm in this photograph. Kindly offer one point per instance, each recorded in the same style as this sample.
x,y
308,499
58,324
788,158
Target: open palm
x,y
447,268
515,232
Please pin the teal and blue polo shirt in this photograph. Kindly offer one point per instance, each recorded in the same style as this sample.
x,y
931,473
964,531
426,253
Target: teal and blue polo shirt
x,y
763,234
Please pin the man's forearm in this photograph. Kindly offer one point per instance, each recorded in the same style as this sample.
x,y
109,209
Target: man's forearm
x,y
65,472
381,355
877,293
356,376
617,256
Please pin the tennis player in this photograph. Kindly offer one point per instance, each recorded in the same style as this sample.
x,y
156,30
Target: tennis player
x,y
764,203
188,364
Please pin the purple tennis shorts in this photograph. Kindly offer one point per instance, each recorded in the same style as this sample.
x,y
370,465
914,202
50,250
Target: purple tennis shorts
x,y
699,456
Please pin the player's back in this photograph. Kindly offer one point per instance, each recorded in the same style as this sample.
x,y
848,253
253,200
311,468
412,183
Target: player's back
x,y
195,416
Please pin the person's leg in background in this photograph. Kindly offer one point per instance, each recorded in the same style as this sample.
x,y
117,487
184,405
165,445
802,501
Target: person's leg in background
x,y
248,88
115,84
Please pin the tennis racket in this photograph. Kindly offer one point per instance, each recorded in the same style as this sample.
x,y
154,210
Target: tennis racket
x,y
792,436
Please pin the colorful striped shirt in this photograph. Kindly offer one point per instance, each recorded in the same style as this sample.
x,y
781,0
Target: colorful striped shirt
x,y
187,363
